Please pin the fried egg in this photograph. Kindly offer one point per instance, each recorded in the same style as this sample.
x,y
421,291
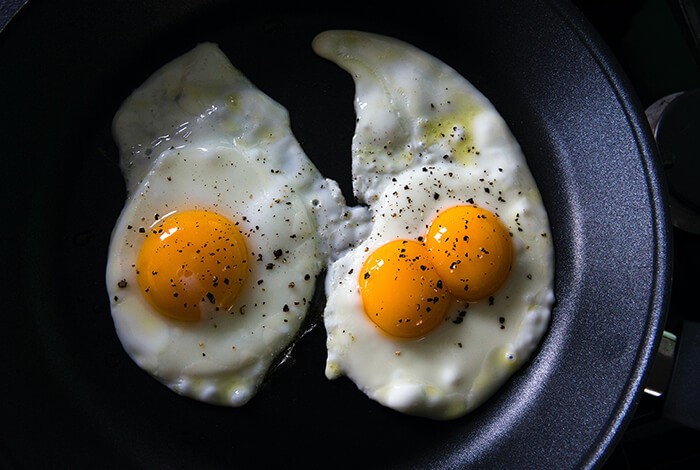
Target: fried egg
x,y
213,261
451,292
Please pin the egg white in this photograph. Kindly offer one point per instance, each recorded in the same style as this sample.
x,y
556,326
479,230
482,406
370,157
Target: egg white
x,y
427,139
198,135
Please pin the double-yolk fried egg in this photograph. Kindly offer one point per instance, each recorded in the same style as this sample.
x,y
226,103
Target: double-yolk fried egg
x,y
213,261
451,291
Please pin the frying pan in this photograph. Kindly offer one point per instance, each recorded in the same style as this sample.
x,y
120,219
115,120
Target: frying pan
x,y
73,397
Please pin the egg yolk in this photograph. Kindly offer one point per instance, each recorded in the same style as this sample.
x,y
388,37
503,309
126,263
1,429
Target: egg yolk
x,y
192,263
401,291
472,251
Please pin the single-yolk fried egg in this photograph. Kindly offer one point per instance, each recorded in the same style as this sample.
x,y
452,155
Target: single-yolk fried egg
x,y
452,290
213,261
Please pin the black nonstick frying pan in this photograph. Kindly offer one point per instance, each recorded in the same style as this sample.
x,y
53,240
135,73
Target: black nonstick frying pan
x,y
72,397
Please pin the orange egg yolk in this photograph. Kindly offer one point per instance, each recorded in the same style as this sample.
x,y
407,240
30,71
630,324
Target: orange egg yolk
x,y
401,291
472,251
192,263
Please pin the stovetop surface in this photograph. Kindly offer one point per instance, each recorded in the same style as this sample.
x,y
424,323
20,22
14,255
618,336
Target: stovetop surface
x,y
651,42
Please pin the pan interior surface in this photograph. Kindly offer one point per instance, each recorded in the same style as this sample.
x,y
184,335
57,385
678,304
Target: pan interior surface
x,y
67,66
